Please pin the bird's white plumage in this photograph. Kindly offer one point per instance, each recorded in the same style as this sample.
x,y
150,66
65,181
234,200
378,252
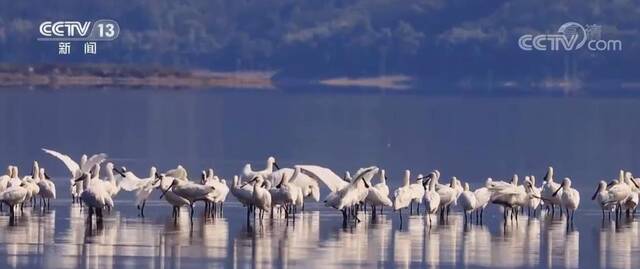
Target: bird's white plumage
x,y
352,193
549,186
431,196
467,199
308,186
73,166
570,198
483,195
244,193
261,197
379,194
249,174
403,195
324,175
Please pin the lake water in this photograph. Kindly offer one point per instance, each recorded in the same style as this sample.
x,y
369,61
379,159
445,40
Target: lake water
x,y
471,137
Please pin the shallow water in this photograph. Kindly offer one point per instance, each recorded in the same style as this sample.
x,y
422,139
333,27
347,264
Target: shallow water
x,y
587,139
61,238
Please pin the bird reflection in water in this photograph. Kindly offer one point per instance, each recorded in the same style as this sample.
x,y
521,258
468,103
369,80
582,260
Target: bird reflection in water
x,y
315,240
26,235
617,242
562,242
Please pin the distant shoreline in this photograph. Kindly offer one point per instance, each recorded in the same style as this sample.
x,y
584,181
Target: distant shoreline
x,y
129,76
57,76
393,82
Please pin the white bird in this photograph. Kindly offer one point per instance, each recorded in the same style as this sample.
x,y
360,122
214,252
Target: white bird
x,y
362,193
448,194
351,194
628,178
497,184
32,184
570,197
601,196
111,186
77,170
510,197
219,195
177,173
14,196
325,176
191,191
308,186
402,196
244,193
619,192
631,203
483,197
431,196
457,186
534,192
47,188
379,194
468,201
548,188
4,179
142,186
417,193
175,200
382,186
93,194
261,196
131,182
248,173
285,194
15,178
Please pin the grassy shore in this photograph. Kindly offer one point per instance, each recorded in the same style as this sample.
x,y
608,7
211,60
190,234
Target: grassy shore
x,y
129,76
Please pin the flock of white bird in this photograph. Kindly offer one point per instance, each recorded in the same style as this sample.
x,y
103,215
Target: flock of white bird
x,y
285,190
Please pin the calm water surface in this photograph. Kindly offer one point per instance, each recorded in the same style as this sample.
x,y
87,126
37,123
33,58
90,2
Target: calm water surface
x,y
587,139
61,238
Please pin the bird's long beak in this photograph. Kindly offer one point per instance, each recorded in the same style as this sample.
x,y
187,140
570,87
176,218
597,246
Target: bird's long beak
x,y
610,184
560,188
427,177
165,191
596,194
281,181
276,166
366,185
634,182
119,172
426,182
46,175
81,178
